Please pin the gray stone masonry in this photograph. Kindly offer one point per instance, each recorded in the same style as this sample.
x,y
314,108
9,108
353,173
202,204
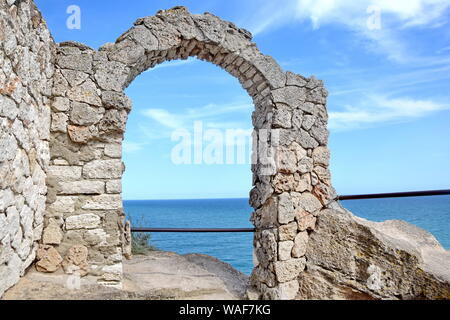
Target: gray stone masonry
x,y
63,114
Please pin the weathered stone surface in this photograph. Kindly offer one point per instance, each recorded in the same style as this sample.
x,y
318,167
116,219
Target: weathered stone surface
x,y
300,244
117,100
76,261
103,202
290,269
286,211
81,187
390,260
103,169
48,259
284,250
85,92
62,204
113,150
284,291
321,156
79,62
292,96
84,115
59,122
52,233
80,134
111,76
305,220
287,231
26,71
83,221
65,172
114,186
307,202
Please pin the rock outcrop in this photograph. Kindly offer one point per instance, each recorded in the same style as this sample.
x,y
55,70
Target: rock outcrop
x,y
158,275
352,258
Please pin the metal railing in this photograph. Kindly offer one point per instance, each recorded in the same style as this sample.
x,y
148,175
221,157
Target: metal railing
x,y
340,198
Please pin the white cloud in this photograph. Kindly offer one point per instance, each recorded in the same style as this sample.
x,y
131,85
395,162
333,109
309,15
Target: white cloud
x,y
396,15
164,118
211,114
379,109
349,12
130,147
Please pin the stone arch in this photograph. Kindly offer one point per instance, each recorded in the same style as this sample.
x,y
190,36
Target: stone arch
x,y
89,113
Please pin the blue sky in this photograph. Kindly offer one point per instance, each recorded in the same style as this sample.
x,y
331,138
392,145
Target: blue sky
x,y
388,79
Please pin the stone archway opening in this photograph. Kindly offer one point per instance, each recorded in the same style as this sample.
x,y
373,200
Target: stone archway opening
x,y
192,122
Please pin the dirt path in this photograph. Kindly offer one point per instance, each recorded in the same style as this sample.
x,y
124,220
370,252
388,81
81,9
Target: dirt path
x,y
159,275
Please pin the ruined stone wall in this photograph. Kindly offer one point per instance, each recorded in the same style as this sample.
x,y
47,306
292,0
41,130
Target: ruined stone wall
x,y
63,114
89,113
26,70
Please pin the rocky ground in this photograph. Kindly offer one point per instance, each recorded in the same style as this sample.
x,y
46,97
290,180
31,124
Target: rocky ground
x,y
158,275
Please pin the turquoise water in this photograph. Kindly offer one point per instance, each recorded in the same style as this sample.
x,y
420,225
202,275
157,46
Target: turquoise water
x,y
430,213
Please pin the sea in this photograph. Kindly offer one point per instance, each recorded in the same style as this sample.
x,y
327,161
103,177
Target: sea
x,y
430,213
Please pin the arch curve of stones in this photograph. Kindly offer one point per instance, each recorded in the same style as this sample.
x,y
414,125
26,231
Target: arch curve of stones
x,y
89,112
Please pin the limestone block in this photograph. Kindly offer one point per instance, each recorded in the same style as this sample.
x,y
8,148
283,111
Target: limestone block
x,y
284,250
113,150
305,140
103,169
321,156
308,122
61,104
300,244
6,199
283,291
79,62
76,261
113,121
80,134
292,96
112,75
52,233
62,204
282,117
307,202
48,259
84,115
286,211
65,173
81,187
305,221
114,186
117,100
82,221
320,133
289,270
74,77
287,231
95,237
8,145
293,79
86,92
103,202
